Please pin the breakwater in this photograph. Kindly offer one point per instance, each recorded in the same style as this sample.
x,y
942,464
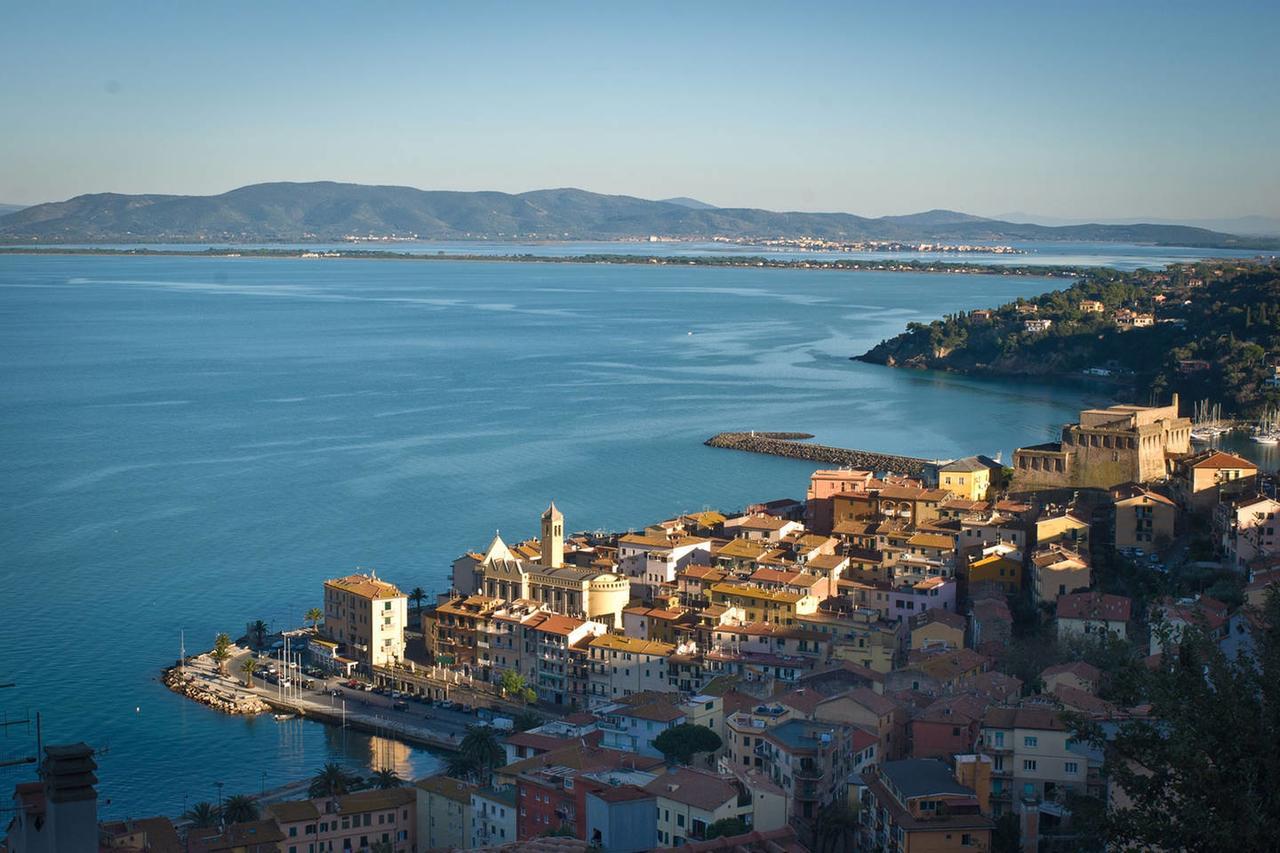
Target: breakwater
x,y
212,693
792,446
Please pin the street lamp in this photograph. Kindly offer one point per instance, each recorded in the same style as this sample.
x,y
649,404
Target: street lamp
x,y
218,785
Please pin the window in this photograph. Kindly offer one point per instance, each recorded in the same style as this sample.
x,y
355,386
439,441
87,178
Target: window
x,y
1071,767
679,820
1031,742
1029,764
999,738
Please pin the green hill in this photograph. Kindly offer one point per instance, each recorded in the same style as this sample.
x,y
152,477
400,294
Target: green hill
x,y
1215,335
291,212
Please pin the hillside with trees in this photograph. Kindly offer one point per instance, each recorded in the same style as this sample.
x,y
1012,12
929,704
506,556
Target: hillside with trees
x,y
324,210
1214,334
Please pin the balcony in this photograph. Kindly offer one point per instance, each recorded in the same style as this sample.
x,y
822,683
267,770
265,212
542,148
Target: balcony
x,y
809,773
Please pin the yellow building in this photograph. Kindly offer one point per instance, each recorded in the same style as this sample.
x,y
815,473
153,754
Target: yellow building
x,y
998,569
368,616
1058,571
1205,478
764,605
1065,529
1144,519
970,477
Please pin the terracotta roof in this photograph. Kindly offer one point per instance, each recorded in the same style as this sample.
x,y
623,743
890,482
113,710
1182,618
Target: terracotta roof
x,y
932,540
695,788
553,623
1083,701
1044,719
781,840
292,811
937,614
1135,492
633,645
869,699
762,522
1094,605
1080,669
445,786
1218,459
365,586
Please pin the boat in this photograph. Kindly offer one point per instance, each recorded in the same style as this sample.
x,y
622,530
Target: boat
x,y
1266,437
280,718
1207,423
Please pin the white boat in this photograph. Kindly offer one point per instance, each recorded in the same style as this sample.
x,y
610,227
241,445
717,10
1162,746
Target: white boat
x,y
280,718
1266,438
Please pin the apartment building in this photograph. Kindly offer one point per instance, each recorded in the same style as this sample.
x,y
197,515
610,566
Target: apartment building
x,y
1031,754
917,806
350,822
689,801
368,617
620,666
810,761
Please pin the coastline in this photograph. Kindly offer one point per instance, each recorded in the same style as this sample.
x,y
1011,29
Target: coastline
x,y
736,262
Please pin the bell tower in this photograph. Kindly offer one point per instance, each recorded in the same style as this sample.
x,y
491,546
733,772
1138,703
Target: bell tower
x,y
552,537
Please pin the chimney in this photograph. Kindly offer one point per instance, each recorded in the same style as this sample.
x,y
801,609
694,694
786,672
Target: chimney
x,y
1029,824
71,799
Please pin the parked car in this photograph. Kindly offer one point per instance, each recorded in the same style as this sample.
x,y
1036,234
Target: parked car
x,y
401,706
446,704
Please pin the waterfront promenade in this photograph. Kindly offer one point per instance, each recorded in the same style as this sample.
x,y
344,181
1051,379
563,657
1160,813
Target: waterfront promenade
x,y
420,725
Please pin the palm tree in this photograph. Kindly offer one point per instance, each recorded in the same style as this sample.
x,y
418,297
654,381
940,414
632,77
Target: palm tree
x,y
314,615
386,778
417,597
202,815
331,781
247,667
222,652
240,809
258,631
482,748
459,766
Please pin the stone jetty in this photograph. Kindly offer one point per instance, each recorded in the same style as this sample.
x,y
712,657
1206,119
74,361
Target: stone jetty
x,y
214,694
793,446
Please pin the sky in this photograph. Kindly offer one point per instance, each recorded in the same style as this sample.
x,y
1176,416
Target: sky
x,y
1081,109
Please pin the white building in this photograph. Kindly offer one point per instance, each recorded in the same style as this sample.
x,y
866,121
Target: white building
x,y
493,817
368,616
621,666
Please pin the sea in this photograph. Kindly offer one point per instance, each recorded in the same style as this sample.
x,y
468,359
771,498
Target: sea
x,y
189,444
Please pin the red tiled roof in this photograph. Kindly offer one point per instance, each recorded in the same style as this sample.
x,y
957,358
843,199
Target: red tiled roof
x,y
1094,605
1218,459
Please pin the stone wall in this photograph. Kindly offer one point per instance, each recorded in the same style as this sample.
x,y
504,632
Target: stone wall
x,y
788,444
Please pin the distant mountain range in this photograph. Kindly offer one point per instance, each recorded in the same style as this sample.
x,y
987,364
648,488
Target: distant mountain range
x,y
1264,226
11,208
300,212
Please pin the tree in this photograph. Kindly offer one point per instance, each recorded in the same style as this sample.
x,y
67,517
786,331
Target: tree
x,y
247,667
222,652
482,748
258,633
332,780
240,809
202,815
1203,773
679,743
418,596
525,720
726,826
386,778
460,766
512,685
314,615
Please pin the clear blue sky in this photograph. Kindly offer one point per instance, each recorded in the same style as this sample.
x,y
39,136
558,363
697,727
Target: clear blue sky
x,y
1064,109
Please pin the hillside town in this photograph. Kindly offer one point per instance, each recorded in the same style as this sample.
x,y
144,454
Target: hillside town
x,y
891,663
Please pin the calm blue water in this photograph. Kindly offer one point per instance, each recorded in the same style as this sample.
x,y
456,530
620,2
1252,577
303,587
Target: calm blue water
x,y
196,443
1121,256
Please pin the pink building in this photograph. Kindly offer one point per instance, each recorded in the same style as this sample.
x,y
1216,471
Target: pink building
x,y
823,485
910,599
349,822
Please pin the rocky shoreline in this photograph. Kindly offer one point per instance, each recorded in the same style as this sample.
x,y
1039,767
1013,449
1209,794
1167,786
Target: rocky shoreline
x,y
790,445
211,694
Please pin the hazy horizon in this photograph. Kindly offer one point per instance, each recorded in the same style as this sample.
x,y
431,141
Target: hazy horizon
x,y
1142,112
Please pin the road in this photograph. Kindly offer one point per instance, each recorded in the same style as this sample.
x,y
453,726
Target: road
x,y
364,709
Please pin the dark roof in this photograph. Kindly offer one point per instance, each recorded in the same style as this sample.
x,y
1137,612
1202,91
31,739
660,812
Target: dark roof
x,y
1094,605
922,777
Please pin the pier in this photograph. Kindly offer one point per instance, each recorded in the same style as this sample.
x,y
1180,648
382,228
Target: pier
x,y
793,446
